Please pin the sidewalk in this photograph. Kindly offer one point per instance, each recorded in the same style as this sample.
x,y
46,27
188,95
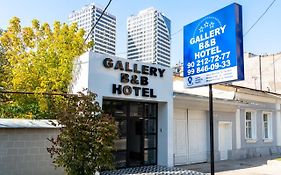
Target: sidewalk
x,y
152,170
253,166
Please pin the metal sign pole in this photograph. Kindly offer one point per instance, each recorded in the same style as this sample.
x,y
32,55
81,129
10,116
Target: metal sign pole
x,y
211,130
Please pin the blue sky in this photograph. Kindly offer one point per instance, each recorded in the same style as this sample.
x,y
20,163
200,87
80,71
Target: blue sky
x,y
264,38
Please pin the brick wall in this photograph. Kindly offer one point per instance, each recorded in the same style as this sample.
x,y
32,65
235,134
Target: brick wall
x,y
23,151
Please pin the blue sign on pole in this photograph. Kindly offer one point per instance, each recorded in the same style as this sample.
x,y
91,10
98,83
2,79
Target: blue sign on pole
x,y
213,48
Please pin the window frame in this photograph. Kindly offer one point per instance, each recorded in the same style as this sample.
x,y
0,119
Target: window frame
x,y
253,125
269,126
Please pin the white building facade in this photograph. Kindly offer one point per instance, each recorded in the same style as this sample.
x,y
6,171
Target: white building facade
x,y
104,34
246,123
132,93
149,37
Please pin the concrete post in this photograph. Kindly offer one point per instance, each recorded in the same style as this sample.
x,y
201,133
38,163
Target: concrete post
x,y
238,129
278,124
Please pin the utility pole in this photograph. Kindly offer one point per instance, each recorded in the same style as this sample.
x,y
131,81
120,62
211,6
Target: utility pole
x,y
274,76
260,72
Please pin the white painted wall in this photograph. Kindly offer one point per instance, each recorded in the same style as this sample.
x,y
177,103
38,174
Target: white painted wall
x,y
190,136
81,73
99,79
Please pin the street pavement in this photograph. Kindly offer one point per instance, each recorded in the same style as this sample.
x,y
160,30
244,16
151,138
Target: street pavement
x,y
254,166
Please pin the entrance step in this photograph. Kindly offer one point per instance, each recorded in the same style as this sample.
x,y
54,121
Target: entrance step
x,y
152,170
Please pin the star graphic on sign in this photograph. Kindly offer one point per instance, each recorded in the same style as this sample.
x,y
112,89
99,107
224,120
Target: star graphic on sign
x,y
211,25
201,29
206,24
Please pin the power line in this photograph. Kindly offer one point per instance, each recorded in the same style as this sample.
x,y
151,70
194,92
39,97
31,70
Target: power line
x,y
259,18
97,20
270,5
34,93
176,32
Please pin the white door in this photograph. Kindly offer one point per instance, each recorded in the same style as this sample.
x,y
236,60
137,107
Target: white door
x,y
225,139
190,136
180,137
197,136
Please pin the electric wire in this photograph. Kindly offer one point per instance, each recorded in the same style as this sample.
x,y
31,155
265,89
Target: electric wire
x,y
259,18
270,5
97,20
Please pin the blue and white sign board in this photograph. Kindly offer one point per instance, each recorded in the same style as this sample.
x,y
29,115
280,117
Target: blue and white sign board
x,y
213,48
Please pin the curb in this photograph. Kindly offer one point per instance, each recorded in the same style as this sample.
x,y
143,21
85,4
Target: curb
x,y
274,163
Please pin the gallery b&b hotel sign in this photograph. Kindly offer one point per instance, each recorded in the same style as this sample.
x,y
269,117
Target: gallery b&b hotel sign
x,y
134,78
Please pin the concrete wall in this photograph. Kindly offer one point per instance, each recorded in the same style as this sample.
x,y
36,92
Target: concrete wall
x,y
259,132
223,117
262,72
259,147
23,152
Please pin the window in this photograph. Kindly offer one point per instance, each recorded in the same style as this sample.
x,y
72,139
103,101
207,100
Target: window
x,y
250,125
267,126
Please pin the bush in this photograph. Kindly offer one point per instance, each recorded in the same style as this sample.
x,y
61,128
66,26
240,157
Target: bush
x,y
86,140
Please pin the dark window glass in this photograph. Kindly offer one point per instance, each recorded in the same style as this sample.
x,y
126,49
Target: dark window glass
x,y
150,126
106,106
136,110
150,110
150,141
149,156
120,159
119,109
136,144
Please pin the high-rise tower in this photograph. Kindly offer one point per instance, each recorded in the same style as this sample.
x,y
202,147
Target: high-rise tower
x,y
149,37
104,34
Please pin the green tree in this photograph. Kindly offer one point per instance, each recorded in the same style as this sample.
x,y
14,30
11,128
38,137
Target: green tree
x,y
2,62
85,143
39,59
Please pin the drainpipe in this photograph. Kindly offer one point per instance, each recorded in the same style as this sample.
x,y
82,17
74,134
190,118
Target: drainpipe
x,y
274,76
260,72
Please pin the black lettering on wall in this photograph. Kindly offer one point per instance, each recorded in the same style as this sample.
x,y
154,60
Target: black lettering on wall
x,y
144,80
108,63
119,65
127,90
127,67
152,94
145,92
134,79
161,72
136,69
137,90
153,71
116,90
145,69
124,78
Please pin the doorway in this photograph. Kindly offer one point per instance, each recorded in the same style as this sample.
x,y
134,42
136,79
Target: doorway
x,y
225,139
137,132
190,136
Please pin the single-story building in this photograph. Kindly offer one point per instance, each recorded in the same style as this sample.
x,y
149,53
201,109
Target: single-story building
x,y
247,123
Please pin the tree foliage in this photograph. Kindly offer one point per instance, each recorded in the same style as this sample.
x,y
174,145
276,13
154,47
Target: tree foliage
x,y
38,59
85,143
3,61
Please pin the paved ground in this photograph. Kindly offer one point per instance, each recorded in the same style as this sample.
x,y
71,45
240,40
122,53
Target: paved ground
x,y
152,170
253,166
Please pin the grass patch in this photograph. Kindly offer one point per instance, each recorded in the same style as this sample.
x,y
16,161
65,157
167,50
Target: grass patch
x,y
279,159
